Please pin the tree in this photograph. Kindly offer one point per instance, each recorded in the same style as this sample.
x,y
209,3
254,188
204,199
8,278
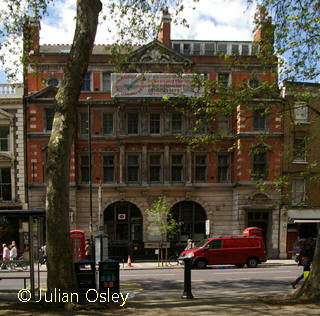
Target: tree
x,y
162,221
297,40
141,17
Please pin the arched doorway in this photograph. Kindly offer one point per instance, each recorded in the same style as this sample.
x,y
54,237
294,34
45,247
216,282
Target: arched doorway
x,y
123,223
193,217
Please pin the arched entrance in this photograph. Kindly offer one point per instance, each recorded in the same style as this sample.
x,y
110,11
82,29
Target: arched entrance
x,y
192,216
123,224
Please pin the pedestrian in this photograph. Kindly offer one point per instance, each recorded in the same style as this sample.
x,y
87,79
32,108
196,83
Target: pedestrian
x,y
13,251
305,259
189,244
5,256
87,250
13,254
44,254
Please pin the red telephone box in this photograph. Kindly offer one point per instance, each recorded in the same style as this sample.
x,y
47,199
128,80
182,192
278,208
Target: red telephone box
x,y
252,231
77,245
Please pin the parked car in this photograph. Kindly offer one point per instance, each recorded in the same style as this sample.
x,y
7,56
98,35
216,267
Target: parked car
x,y
298,245
237,251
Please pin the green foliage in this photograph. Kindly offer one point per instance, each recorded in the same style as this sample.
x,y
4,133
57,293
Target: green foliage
x,y
161,218
297,36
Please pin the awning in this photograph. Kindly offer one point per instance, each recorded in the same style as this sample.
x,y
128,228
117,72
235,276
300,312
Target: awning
x,y
304,215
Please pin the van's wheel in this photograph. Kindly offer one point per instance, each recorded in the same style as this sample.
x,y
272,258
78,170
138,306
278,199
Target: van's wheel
x,y
252,262
239,265
200,264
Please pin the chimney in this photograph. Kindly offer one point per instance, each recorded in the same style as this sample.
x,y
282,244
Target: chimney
x,y
264,30
32,33
165,29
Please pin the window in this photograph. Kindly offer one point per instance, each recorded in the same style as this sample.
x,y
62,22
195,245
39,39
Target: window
x,y
260,166
259,120
223,80
54,82
155,123
196,49
223,168
83,123
49,115
245,50
299,149
177,168
209,49
186,49
4,138
235,49
201,168
133,168
133,121
176,123
84,169
215,244
176,47
5,184
301,112
222,49
223,125
107,123
108,169
106,82
86,84
298,191
155,168
254,83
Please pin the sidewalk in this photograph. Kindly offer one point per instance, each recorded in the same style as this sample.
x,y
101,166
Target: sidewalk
x,y
155,265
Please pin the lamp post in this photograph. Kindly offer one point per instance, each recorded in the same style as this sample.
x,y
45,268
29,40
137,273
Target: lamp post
x,y
89,100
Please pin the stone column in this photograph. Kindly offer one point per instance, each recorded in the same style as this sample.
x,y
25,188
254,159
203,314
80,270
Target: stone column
x,y
144,165
166,164
188,165
122,163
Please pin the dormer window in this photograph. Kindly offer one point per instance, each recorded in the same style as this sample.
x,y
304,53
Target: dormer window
x,y
222,49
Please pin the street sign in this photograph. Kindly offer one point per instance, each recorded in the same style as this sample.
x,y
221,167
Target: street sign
x,y
207,227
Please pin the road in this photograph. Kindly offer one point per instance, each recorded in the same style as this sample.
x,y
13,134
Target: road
x,y
209,282
168,283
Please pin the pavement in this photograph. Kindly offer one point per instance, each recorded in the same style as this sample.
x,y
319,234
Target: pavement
x,y
171,303
156,265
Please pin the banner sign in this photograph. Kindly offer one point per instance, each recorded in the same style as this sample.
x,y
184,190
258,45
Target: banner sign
x,y
137,85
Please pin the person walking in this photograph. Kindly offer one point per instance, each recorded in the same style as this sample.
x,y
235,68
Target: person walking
x,y
5,256
13,254
305,259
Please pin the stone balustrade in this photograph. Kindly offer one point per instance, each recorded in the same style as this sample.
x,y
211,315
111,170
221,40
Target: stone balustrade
x,y
11,90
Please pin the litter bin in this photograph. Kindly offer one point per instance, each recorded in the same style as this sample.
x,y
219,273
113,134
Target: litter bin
x,y
86,277
109,276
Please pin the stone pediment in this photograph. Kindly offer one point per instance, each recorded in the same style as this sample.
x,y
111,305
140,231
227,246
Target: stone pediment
x,y
5,116
157,53
46,93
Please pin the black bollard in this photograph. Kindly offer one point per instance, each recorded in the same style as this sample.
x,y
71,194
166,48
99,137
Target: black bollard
x,y
187,279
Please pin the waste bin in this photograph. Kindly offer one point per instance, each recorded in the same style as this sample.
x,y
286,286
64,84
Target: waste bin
x,y
109,276
86,277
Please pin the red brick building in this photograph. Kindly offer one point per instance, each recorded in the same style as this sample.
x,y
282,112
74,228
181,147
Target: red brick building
x,y
135,151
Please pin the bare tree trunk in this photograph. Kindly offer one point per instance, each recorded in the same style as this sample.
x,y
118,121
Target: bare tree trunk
x,y
60,265
310,290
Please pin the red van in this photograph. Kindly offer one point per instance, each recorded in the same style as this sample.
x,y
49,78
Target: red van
x,y
227,250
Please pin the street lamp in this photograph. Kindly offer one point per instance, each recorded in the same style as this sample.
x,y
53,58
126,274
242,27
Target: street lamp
x,y
89,100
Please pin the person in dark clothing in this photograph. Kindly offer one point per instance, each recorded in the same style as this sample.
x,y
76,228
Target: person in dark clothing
x,y
305,259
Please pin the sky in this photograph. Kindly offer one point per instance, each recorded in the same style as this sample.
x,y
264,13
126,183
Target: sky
x,y
211,20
